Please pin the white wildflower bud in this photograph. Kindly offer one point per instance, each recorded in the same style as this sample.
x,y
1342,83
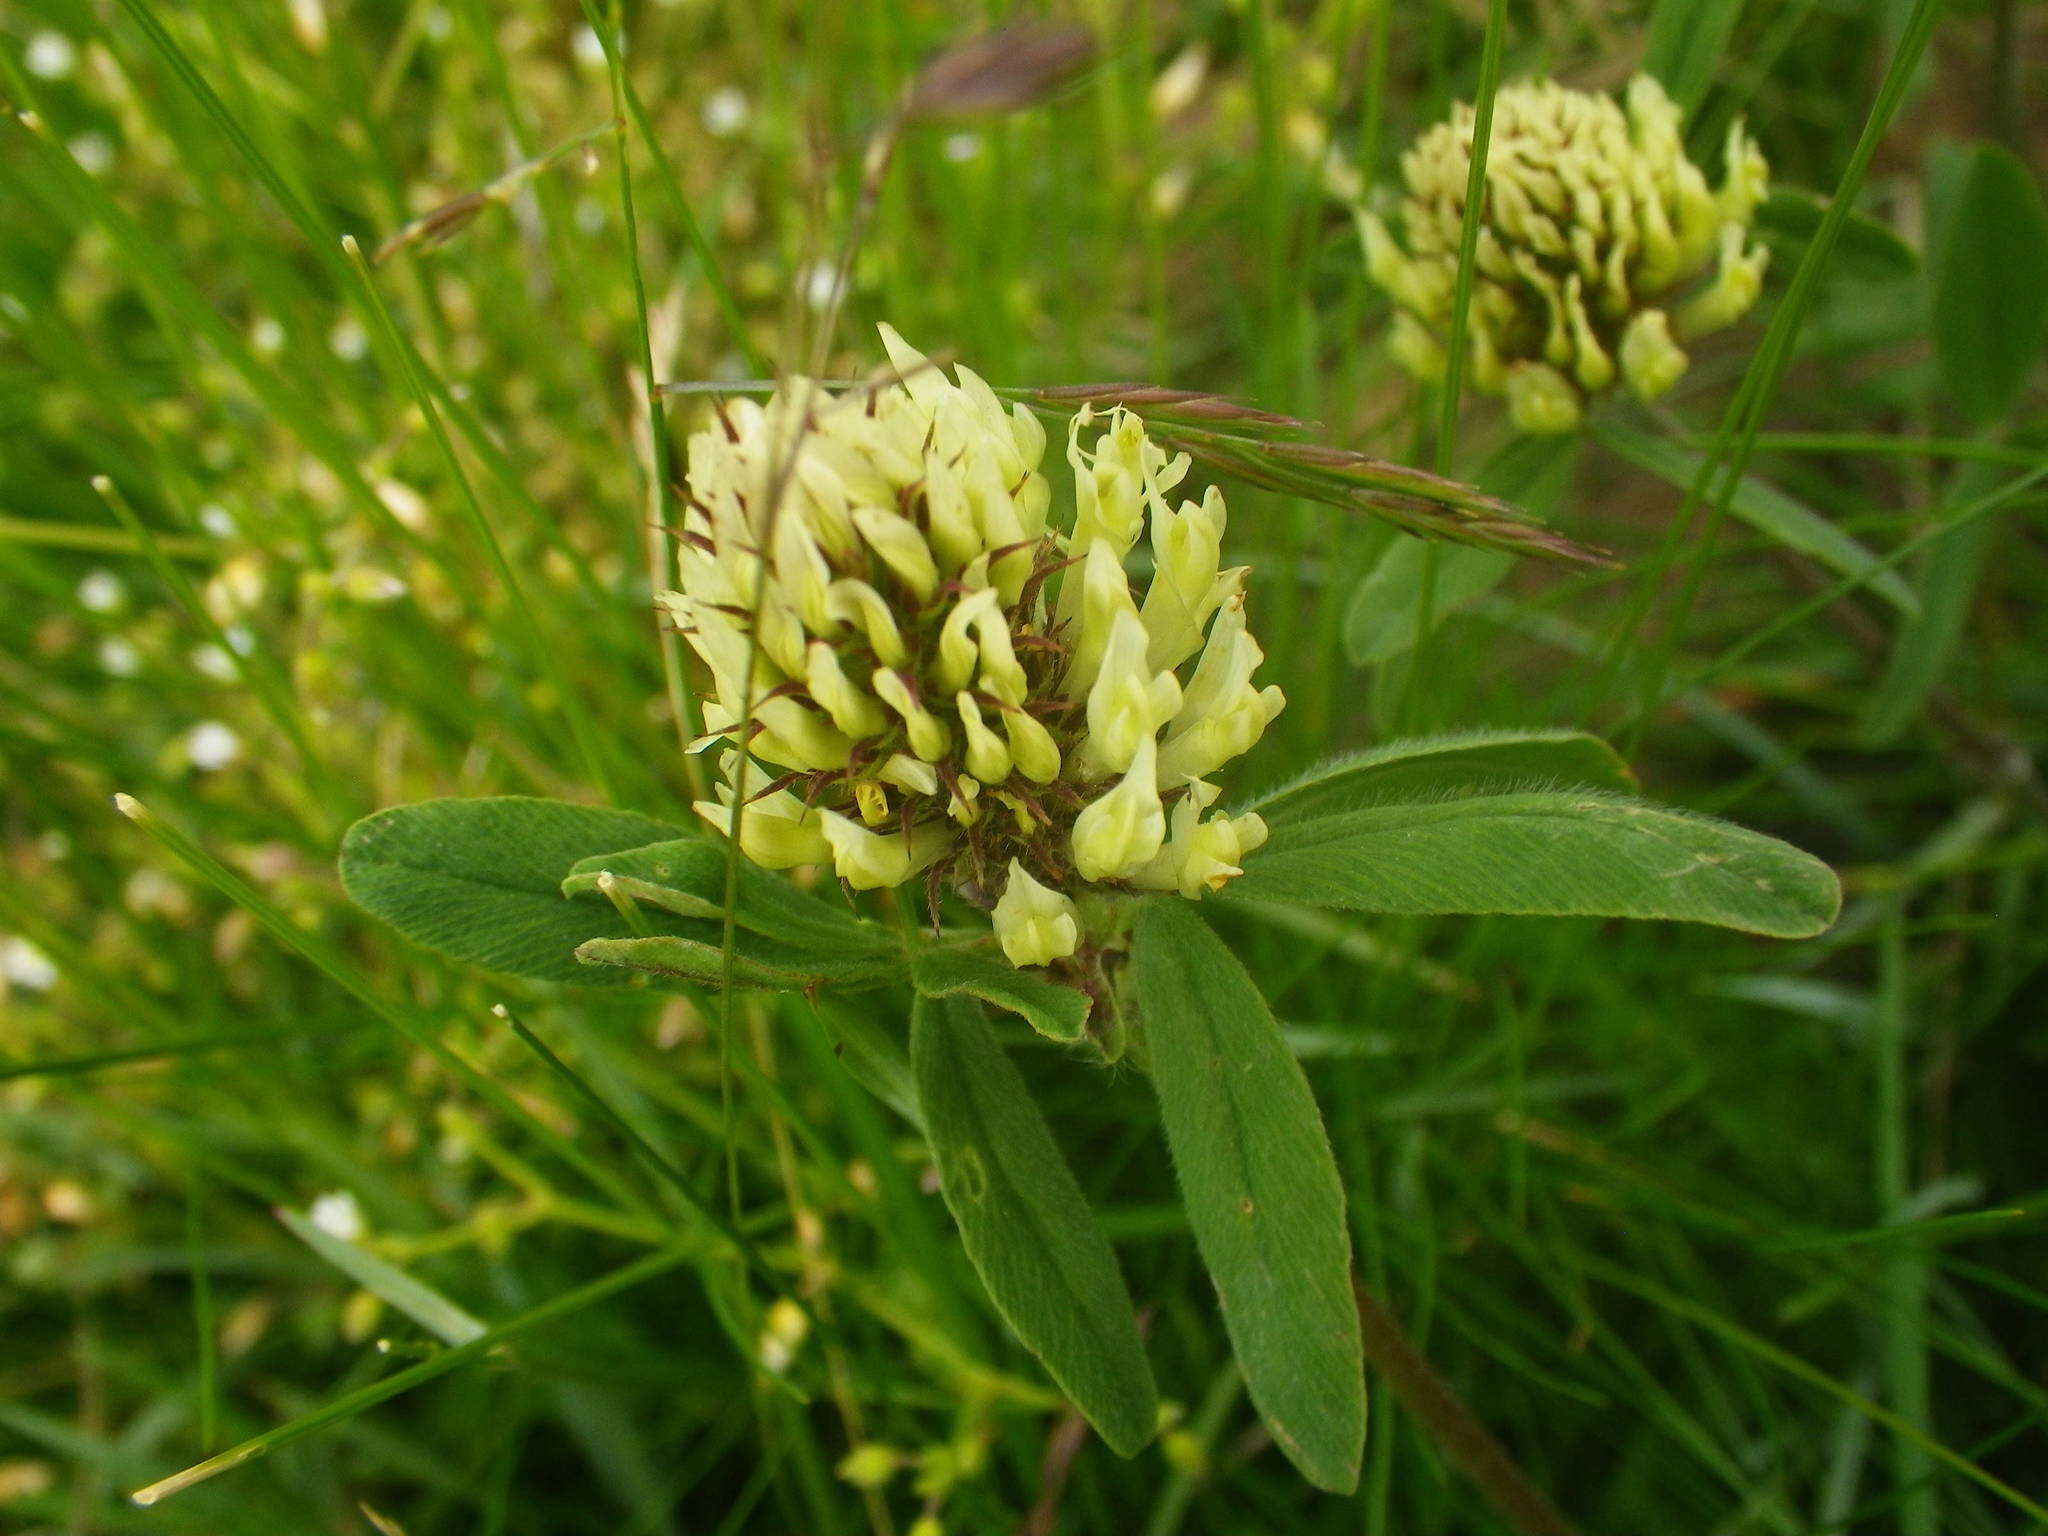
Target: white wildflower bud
x,y
976,638
988,758
928,738
1223,714
868,860
1108,486
1032,748
959,650
911,775
1737,282
777,831
853,710
1129,702
1594,218
902,548
1105,594
1187,584
1411,344
926,677
1124,828
1748,180
858,603
1035,924
1200,856
1651,361
1540,399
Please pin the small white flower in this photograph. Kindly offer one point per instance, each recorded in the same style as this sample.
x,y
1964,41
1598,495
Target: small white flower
x,y
1175,87
101,592
783,1332
309,24
23,965
403,503
961,147
94,152
347,341
211,661
50,56
338,1215
588,48
373,588
868,861
267,336
217,520
212,746
725,111
819,284
118,658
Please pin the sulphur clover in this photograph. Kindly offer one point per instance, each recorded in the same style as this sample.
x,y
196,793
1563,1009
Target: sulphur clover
x,y
1596,235
914,675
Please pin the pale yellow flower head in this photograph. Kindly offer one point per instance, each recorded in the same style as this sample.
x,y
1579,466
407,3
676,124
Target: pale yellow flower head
x,y
946,686
1601,247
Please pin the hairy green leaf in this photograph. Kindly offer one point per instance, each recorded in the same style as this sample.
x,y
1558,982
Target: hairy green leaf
x,y
1261,1189
872,1056
1026,1225
687,877
480,880
1439,767
1381,619
1558,854
696,954
1058,1012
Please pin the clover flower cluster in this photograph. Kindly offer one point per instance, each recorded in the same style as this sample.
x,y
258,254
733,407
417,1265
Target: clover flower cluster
x,y
941,683
1594,232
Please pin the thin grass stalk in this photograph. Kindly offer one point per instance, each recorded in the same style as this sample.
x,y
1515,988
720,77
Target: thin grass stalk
x,y
1983,506
1735,442
535,637
256,674
659,470
351,1403
1454,342
1905,1274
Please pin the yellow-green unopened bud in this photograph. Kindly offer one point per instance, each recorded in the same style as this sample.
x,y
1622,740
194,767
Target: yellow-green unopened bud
x,y
917,676
1034,924
870,1465
1596,242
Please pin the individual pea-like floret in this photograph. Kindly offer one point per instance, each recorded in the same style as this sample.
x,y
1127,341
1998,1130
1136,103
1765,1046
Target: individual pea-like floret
x,y
1595,243
917,677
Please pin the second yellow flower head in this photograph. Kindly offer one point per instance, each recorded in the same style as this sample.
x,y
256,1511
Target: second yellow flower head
x,y
1594,236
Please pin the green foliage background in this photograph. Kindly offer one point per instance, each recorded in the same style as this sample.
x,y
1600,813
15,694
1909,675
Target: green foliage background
x,y
1714,1233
